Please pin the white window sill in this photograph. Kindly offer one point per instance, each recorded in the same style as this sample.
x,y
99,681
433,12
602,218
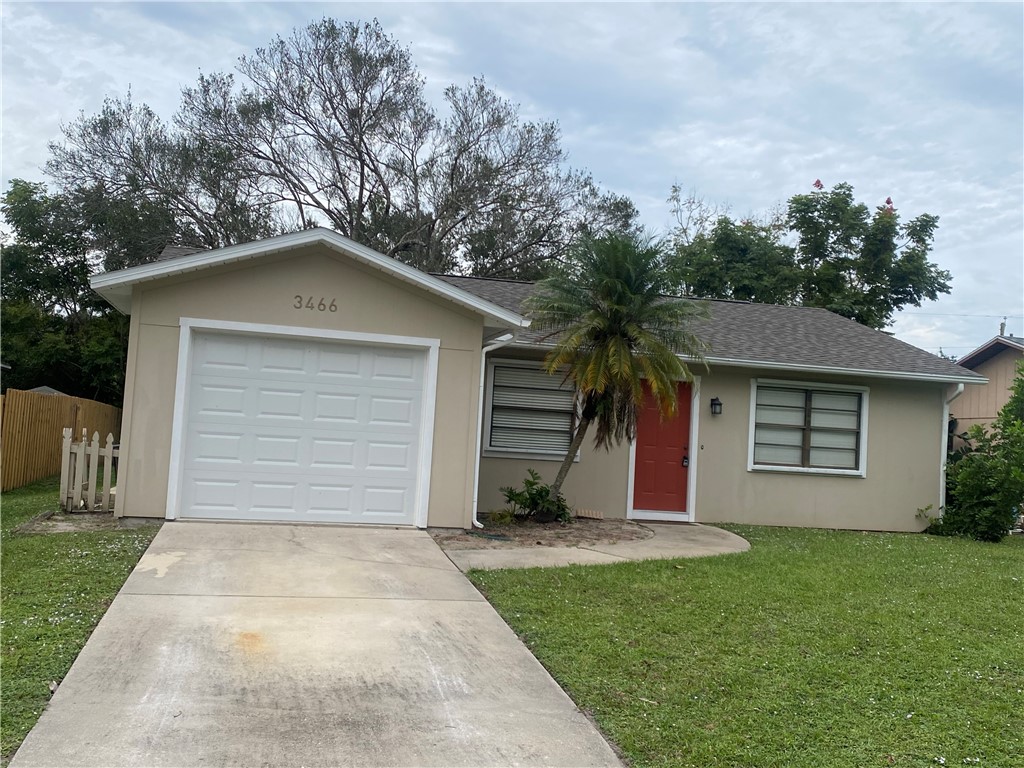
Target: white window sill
x,y
502,453
807,471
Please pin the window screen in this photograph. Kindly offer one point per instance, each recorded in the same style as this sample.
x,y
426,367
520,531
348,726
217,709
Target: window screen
x,y
807,428
530,410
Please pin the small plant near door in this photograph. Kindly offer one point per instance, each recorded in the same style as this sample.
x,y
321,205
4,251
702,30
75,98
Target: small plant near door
x,y
537,500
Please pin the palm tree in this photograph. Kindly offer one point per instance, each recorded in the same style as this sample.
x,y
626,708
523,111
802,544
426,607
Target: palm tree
x,y
615,330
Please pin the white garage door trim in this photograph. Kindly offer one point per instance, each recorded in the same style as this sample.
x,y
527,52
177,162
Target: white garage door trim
x,y
190,325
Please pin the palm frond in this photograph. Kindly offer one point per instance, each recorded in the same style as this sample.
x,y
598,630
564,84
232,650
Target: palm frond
x,y
614,329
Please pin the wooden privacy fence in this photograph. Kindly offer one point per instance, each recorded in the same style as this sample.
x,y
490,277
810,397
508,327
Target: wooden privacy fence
x,y
31,425
80,473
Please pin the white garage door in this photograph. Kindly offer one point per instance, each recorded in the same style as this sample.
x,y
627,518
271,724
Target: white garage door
x,y
297,430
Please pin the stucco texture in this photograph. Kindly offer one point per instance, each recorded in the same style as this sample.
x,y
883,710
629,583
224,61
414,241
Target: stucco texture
x,y
598,481
263,291
903,464
904,439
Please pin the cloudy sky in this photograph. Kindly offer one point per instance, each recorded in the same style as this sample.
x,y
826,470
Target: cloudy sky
x,y
745,103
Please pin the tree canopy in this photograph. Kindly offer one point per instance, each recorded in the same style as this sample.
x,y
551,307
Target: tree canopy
x,y
56,331
331,126
824,250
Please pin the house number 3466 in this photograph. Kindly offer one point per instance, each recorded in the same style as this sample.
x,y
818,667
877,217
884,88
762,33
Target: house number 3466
x,y
319,305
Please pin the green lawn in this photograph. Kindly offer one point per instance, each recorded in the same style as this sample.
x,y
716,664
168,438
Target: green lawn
x,y
816,648
55,588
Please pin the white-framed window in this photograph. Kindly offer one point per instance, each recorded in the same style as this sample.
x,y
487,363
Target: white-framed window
x,y
529,411
808,427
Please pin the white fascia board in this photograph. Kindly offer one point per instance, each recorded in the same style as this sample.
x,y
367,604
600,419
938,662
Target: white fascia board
x,y
840,371
116,287
821,369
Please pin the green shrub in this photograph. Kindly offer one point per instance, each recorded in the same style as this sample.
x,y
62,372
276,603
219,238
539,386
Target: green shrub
x,y
985,480
501,516
535,500
982,495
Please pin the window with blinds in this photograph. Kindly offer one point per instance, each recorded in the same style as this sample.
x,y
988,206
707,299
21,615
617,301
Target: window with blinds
x,y
807,427
531,411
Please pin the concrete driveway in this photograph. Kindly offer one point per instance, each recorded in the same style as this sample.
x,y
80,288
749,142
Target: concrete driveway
x,y
276,645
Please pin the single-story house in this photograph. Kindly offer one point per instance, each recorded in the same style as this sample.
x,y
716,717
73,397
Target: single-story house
x,y
997,361
308,378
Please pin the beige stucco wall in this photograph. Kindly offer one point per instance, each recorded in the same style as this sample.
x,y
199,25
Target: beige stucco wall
x,y
980,403
263,291
903,458
598,481
905,433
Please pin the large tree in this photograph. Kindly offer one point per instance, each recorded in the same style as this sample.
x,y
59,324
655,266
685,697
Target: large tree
x,y
56,331
331,126
861,264
741,260
46,261
127,165
615,333
823,250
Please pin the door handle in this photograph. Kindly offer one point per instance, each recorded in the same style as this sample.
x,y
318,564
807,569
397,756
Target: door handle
x,y
686,460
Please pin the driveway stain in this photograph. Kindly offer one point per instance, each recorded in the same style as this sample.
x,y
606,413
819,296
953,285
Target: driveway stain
x,y
159,562
251,644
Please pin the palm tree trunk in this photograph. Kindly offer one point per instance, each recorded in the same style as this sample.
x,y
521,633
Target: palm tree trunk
x,y
570,455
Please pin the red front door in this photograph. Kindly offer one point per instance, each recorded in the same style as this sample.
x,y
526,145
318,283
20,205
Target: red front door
x,y
662,457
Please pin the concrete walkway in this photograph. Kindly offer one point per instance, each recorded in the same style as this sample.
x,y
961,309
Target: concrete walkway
x,y
670,540
277,645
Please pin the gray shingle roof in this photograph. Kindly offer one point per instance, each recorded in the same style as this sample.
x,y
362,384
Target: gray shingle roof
x,y
764,334
174,251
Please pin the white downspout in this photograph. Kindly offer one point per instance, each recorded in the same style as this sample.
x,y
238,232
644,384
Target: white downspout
x,y
501,341
945,446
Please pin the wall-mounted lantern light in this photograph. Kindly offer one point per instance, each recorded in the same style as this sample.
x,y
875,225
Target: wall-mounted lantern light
x,y
716,406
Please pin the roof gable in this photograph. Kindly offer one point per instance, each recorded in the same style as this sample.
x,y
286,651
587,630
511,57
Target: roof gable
x,y
805,339
116,287
990,349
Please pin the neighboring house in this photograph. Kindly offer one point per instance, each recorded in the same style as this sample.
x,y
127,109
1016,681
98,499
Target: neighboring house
x,y
996,360
45,390
309,378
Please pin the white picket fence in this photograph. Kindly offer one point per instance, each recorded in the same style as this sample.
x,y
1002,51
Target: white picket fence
x,y
80,472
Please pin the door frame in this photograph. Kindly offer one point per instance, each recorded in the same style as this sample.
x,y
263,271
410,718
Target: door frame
x,y
690,515
189,326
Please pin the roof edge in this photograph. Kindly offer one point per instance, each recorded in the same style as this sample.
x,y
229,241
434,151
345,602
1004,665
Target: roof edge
x,y
937,378
1007,341
116,287
730,362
